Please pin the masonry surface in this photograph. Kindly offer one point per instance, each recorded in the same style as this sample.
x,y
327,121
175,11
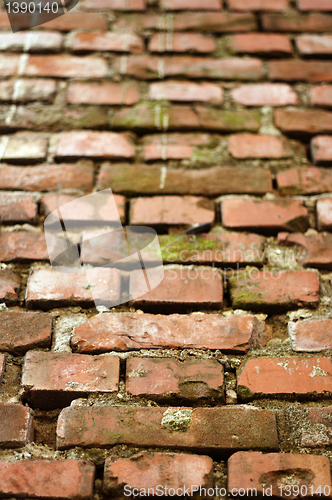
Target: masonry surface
x,y
211,121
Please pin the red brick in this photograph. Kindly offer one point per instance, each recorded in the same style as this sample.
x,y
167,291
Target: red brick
x,y
23,148
54,379
324,214
17,208
284,376
132,331
111,42
203,429
262,94
186,91
316,248
314,44
10,286
264,215
321,95
21,331
42,41
103,93
315,22
49,288
314,5
56,479
114,4
189,379
16,425
163,471
84,211
152,67
261,43
22,246
2,356
219,22
311,335
65,66
182,289
182,42
273,472
307,71
9,64
77,20
274,5
309,180
170,146
321,149
258,146
274,291
316,431
171,210
191,5
299,122
94,145
24,90
47,177
143,179
145,117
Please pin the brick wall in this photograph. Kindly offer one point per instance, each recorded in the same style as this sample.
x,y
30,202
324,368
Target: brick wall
x,y
212,112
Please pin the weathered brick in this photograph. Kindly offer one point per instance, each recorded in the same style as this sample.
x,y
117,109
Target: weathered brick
x,y
2,356
16,426
324,214
47,177
24,90
264,215
274,290
134,179
23,148
219,22
316,22
316,248
171,210
54,379
94,145
309,180
48,288
261,94
114,4
152,67
316,431
111,42
203,429
258,146
296,70
314,5
21,331
311,335
17,208
189,379
76,21
273,5
182,42
182,289
104,93
284,376
321,95
42,41
321,149
260,43
314,44
165,471
191,5
132,331
9,64
186,91
65,66
10,286
273,472
172,146
303,122
58,479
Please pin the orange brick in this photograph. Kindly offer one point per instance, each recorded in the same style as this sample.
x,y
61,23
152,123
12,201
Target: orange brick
x,y
261,94
182,42
260,43
258,146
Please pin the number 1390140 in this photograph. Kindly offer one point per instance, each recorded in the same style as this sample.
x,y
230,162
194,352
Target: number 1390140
x,y
304,491
31,7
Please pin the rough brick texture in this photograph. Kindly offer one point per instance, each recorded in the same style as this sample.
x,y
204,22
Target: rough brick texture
x,y
311,335
21,331
16,425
